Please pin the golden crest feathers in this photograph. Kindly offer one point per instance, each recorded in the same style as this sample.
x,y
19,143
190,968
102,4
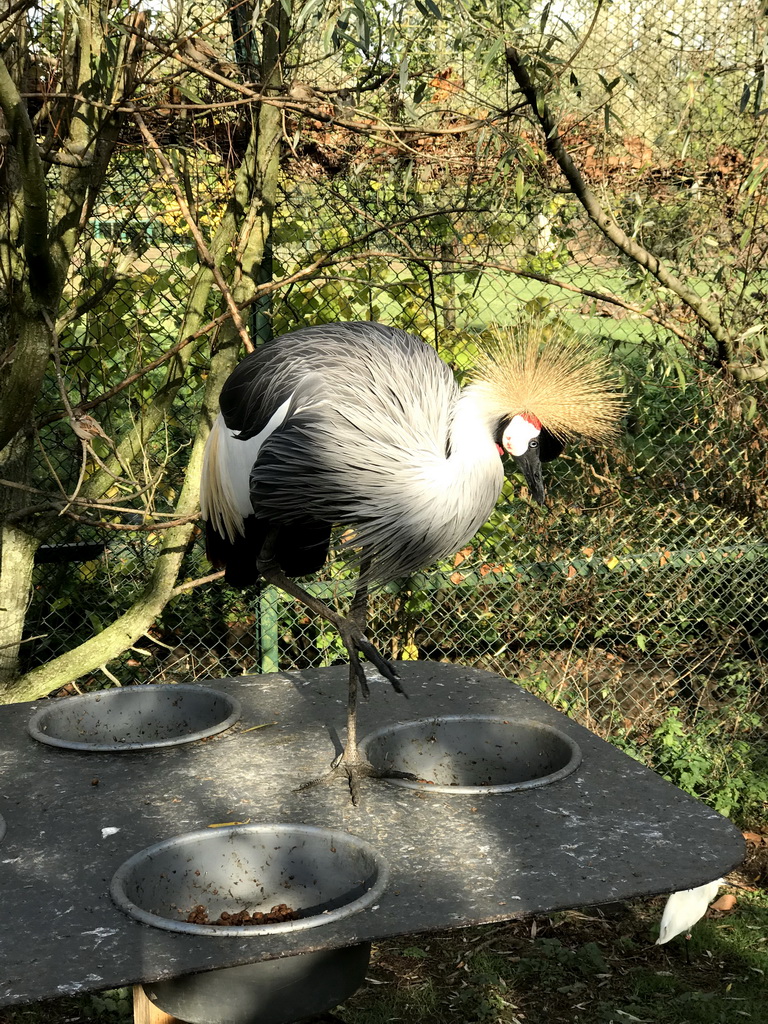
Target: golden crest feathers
x,y
546,370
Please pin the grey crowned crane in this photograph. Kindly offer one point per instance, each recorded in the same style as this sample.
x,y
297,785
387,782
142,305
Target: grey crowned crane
x,y
363,425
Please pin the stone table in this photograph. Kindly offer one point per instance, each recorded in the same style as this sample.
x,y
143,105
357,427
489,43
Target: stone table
x,y
610,831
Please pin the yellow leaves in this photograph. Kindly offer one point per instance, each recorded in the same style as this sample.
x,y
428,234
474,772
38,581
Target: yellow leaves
x,y
586,568
89,570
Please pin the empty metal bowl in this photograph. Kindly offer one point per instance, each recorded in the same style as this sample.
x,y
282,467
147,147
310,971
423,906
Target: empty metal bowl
x,y
323,875
473,754
134,717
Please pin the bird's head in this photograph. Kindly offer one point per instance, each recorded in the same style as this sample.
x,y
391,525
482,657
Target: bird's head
x,y
542,385
524,437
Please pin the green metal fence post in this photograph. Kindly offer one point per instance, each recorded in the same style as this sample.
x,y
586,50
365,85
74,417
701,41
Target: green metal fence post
x,y
269,617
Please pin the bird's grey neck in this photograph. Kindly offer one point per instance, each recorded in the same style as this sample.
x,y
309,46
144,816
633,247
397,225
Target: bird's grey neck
x,y
443,501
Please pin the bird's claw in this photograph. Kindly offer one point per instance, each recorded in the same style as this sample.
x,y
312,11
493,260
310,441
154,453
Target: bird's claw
x,y
386,668
354,661
354,770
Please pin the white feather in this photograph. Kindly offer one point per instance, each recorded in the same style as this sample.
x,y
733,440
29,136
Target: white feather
x,y
683,909
225,495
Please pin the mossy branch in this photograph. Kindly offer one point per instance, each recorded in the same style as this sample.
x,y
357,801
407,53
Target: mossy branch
x,y
249,217
127,629
27,320
44,279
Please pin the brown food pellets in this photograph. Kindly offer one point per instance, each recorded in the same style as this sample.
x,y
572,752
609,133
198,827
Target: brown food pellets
x,y
278,913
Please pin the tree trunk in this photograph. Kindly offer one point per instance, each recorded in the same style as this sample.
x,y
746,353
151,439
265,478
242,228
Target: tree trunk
x,y
126,630
17,557
35,254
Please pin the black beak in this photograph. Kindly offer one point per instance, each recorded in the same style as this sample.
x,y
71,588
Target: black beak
x,y
529,465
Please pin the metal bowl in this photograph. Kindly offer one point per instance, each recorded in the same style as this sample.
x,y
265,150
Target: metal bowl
x,y
324,875
134,717
270,992
473,754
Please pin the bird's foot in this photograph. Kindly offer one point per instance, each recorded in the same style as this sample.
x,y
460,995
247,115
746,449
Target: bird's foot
x,y
385,667
350,628
353,767
354,641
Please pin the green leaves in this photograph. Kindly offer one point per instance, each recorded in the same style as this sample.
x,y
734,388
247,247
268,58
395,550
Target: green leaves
x,y
340,31
429,9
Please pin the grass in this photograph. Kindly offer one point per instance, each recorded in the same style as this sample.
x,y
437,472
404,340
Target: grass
x,y
501,296
584,967
595,966
498,298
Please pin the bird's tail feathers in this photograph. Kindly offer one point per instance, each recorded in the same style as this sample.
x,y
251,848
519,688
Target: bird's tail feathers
x,y
300,550
238,556
217,499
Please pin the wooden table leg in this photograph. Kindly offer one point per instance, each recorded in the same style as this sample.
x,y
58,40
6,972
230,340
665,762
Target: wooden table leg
x,y
145,1011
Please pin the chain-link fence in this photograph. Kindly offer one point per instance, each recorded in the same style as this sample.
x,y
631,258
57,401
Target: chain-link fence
x,y
637,601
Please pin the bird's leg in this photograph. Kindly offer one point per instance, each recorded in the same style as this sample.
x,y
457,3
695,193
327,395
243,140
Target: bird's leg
x,y
350,763
350,628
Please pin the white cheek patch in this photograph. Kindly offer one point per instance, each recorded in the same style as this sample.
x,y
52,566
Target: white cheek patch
x,y
517,435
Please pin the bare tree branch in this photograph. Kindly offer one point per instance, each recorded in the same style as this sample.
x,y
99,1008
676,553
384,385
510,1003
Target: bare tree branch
x,y
106,524
707,313
200,582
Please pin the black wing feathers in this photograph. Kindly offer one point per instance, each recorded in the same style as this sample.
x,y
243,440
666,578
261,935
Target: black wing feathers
x,y
300,550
